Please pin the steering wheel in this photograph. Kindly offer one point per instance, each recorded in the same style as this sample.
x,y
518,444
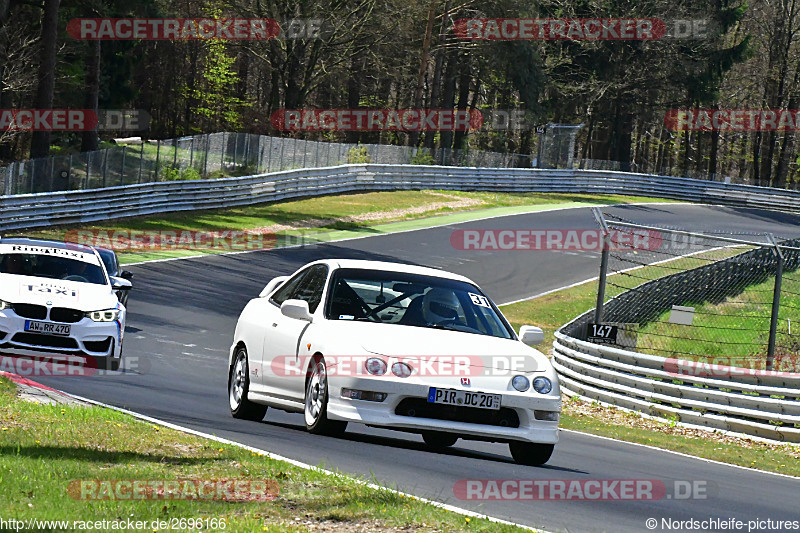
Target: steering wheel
x,y
75,277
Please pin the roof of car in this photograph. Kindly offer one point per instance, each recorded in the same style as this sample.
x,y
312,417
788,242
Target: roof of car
x,y
47,243
394,267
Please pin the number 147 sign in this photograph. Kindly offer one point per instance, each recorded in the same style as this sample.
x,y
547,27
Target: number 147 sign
x,y
604,333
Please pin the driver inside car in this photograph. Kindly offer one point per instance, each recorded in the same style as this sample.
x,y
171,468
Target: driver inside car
x,y
440,306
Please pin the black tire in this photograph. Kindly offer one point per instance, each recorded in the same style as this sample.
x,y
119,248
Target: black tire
x,y
239,386
531,453
438,440
108,363
315,412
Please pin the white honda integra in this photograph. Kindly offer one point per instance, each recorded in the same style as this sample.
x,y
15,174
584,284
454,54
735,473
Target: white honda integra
x,y
56,299
394,346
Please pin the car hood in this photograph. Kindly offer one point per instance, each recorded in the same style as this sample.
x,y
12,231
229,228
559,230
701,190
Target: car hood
x,y
56,292
431,344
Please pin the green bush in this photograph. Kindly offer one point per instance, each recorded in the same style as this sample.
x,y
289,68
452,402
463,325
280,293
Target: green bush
x,y
358,154
422,157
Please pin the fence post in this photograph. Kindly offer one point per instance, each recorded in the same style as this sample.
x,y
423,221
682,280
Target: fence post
x,y
205,158
601,286
88,170
105,168
158,156
122,173
776,301
141,158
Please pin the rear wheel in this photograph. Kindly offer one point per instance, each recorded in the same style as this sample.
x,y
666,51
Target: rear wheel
x,y
239,386
438,440
316,402
531,453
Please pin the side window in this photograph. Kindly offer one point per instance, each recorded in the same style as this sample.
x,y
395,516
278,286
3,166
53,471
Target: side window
x,y
286,292
306,285
310,289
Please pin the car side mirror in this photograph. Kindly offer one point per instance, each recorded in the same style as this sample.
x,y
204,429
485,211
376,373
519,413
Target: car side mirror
x,y
120,284
126,274
531,335
297,309
273,284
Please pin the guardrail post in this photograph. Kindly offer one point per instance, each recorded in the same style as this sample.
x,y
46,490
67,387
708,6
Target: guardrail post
x,y
776,301
601,285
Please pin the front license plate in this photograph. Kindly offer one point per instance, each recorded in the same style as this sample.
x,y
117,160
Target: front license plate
x,y
47,328
463,398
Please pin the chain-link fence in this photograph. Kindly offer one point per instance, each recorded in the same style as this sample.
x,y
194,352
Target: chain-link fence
x,y
729,300
218,155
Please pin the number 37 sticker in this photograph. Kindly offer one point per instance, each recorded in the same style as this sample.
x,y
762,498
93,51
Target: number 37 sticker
x,y
477,299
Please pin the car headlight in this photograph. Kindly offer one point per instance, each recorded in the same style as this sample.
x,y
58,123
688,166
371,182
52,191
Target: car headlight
x,y
542,385
520,383
4,305
107,315
401,370
375,366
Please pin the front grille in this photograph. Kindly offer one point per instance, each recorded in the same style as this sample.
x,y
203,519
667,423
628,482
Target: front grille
x,y
66,315
38,312
98,346
47,341
421,408
2,335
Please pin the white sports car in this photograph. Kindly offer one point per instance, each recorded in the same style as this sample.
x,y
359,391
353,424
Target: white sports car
x,y
394,346
57,299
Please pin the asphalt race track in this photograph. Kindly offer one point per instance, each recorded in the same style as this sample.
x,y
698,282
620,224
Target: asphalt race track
x,y
182,319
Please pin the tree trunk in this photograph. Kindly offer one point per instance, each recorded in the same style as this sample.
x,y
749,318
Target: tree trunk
x,y
423,67
90,140
40,140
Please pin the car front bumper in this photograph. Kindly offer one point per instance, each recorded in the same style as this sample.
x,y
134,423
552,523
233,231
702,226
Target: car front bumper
x,y
393,412
86,339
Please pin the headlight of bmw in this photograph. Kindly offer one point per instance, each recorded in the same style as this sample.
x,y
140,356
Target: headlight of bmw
x,y
4,305
107,315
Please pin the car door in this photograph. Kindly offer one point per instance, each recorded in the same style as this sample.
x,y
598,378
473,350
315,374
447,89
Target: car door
x,y
283,368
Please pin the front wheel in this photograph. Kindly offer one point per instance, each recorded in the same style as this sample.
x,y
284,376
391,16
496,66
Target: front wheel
x,y
531,453
316,402
239,386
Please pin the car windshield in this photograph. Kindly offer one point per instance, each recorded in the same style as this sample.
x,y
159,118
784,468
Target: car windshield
x,y
43,266
413,300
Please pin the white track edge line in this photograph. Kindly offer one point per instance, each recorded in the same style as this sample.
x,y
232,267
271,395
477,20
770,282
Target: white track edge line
x,y
305,466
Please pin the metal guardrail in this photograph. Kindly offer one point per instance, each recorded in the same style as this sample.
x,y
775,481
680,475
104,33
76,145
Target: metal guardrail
x,y
26,211
764,404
